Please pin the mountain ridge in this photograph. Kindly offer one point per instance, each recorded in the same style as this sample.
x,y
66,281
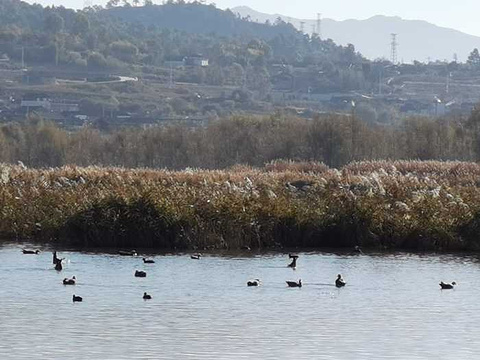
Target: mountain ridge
x,y
418,39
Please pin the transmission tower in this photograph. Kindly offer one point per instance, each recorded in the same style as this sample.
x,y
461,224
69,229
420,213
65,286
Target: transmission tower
x,y
319,25
394,45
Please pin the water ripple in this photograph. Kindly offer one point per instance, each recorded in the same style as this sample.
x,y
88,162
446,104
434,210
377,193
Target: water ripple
x,y
391,307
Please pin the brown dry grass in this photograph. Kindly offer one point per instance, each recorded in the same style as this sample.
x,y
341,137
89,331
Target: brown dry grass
x,y
418,205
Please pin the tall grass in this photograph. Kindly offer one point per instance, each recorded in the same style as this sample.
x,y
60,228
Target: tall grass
x,y
382,204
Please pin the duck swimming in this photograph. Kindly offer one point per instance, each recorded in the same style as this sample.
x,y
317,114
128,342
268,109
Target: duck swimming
x,y
30,252
294,283
255,282
141,274
77,298
71,281
196,256
340,282
447,286
148,261
146,296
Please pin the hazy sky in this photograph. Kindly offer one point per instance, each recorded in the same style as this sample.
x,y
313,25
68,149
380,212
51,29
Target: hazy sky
x,y
460,14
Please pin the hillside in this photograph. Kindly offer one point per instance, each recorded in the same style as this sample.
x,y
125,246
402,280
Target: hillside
x,y
199,19
419,40
185,60
151,34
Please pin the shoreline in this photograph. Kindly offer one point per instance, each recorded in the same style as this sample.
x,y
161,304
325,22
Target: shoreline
x,y
48,247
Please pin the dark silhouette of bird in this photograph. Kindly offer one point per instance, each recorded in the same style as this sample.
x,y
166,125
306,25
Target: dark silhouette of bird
x,y
77,298
445,286
196,256
56,259
148,261
293,264
71,281
146,296
255,282
139,273
294,283
340,282
58,265
30,252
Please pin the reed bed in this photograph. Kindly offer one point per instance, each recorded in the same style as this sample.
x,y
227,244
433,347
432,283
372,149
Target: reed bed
x,y
378,204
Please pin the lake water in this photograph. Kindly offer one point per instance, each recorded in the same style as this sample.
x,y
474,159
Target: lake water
x,y
391,308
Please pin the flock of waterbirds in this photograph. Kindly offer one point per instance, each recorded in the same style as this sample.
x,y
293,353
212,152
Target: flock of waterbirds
x,y
339,282
57,262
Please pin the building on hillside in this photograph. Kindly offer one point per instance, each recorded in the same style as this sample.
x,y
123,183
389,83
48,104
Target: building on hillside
x,y
35,104
57,106
64,107
175,62
196,60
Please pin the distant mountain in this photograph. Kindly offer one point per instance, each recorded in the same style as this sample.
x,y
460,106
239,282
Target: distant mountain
x,y
418,40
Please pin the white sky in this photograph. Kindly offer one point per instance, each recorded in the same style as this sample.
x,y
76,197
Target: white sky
x,y
462,15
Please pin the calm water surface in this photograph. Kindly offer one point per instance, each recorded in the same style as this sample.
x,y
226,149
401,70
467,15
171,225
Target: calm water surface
x,y
391,308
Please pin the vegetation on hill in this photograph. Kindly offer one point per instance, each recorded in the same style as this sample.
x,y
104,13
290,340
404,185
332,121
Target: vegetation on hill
x,y
253,68
140,39
197,18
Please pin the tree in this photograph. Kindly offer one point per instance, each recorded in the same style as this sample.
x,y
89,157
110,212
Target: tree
x,y
474,58
112,4
54,23
96,60
124,50
237,74
81,24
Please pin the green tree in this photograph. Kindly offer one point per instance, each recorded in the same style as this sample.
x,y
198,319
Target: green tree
x,y
96,60
81,24
54,23
474,58
124,50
